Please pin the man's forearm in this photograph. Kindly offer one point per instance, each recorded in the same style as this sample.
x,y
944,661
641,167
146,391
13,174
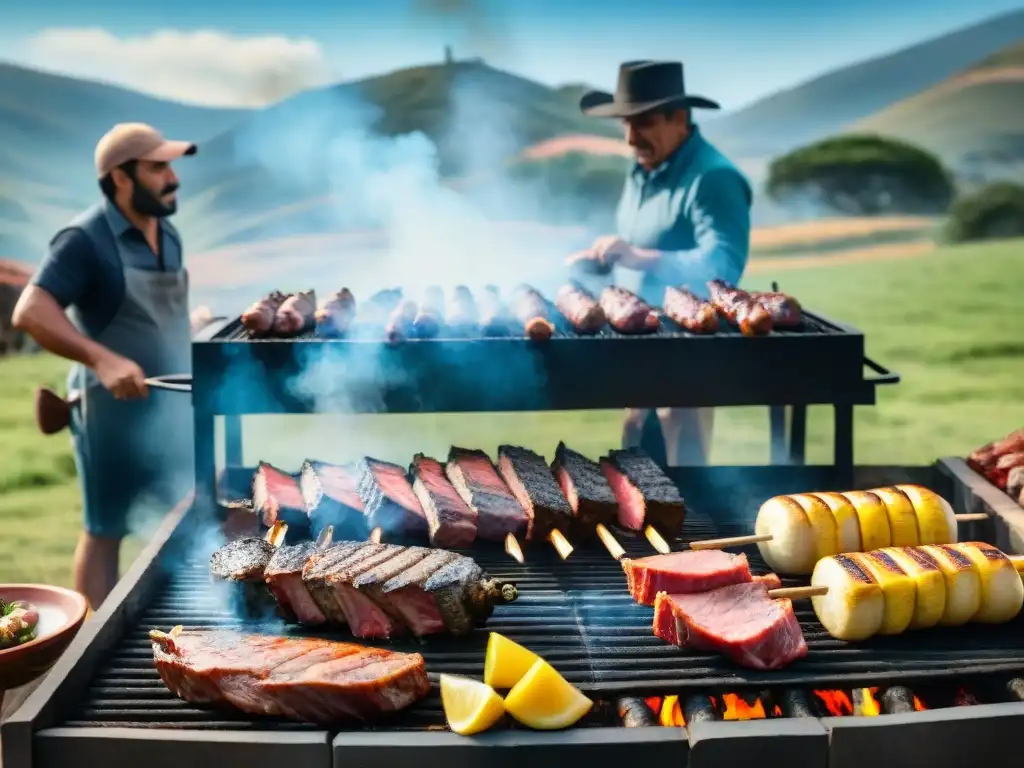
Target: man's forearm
x,y
694,266
40,316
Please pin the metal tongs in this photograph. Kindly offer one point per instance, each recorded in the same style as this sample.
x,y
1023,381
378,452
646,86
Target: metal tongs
x,y
53,412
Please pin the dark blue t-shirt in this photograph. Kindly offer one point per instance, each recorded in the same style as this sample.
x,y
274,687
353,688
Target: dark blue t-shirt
x,y
78,274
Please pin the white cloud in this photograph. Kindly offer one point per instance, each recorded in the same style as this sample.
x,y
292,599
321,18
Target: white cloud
x,y
202,66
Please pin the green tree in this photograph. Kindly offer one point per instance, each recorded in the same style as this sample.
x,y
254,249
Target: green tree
x,y
995,211
862,176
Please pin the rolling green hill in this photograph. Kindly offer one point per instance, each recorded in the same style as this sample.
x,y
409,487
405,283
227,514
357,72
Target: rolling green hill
x,y
974,120
827,104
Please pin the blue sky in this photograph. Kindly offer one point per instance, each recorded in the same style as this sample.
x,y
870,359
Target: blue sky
x,y
735,50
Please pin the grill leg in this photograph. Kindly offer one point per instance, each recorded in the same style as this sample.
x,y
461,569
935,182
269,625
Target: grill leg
x,y
843,451
232,441
777,422
205,460
798,435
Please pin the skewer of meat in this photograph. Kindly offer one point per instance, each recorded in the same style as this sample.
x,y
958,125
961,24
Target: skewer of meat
x,y
463,318
628,313
590,497
239,568
530,308
430,318
687,311
740,309
494,317
580,308
784,309
259,318
648,500
335,317
296,315
400,324
530,479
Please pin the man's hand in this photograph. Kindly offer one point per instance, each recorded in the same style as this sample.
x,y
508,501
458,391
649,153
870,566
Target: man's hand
x,y
121,376
609,250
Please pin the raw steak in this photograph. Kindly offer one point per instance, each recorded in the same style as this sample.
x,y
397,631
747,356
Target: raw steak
x,y
695,570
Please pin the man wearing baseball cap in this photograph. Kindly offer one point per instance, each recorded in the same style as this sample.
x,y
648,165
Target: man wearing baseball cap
x,y
112,297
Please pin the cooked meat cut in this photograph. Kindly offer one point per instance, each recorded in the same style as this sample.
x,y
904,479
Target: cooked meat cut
x,y
450,520
380,590
627,312
740,309
430,318
238,569
580,308
376,310
331,493
495,320
694,570
296,315
400,323
585,488
784,309
531,310
276,496
283,576
306,679
689,312
645,494
481,487
258,319
335,317
388,500
463,319
770,580
739,621
531,481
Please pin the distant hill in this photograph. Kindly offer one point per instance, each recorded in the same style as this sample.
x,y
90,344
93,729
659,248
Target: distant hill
x,y
828,103
974,120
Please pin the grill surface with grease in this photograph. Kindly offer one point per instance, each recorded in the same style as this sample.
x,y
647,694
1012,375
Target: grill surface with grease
x,y
578,615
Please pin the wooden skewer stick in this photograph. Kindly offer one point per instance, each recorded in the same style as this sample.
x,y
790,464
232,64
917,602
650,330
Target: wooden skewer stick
x,y
275,535
732,541
375,535
560,543
513,549
656,540
973,516
797,593
614,548
1018,563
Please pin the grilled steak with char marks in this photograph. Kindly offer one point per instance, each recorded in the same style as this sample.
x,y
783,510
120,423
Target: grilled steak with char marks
x,y
331,493
646,495
388,500
450,520
304,679
530,479
585,488
283,575
480,486
238,569
276,496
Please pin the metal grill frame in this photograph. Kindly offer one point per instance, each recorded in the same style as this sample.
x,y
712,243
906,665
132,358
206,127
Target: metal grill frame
x,y
33,738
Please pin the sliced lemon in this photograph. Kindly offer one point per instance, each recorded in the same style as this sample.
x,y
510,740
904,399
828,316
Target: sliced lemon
x,y
545,700
506,661
469,705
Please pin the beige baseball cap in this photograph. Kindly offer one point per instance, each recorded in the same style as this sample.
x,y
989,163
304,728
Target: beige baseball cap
x,y
136,141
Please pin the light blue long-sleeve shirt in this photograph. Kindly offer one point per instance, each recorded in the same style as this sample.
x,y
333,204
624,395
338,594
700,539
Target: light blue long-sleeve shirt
x,y
695,208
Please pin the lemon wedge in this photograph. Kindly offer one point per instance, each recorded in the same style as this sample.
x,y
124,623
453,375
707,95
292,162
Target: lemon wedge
x,y
506,661
469,705
545,700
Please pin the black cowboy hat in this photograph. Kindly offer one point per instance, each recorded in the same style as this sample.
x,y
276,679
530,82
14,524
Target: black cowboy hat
x,y
643,86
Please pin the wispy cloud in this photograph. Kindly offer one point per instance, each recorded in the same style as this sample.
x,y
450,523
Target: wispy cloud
x,y
200,66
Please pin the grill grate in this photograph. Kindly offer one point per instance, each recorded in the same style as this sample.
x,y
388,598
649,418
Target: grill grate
x,y
578,615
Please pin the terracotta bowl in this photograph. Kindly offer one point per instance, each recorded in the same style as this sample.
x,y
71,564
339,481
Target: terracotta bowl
x,y
61,613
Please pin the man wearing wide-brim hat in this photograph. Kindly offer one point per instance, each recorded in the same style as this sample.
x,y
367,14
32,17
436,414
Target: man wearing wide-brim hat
x,y
683,219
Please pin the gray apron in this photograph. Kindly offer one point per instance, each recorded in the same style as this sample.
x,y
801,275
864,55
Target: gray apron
x,y
134,457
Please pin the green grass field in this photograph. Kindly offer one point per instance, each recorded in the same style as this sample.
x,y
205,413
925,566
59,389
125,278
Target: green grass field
x,y
950,322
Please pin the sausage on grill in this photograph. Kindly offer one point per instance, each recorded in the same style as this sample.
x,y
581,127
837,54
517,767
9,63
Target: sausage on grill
x,y
399,326
784,309
531,309
687,311
376,310
296,314
259,318
336,315
430,317
627,312
740,309
580,308
494,317
463,317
